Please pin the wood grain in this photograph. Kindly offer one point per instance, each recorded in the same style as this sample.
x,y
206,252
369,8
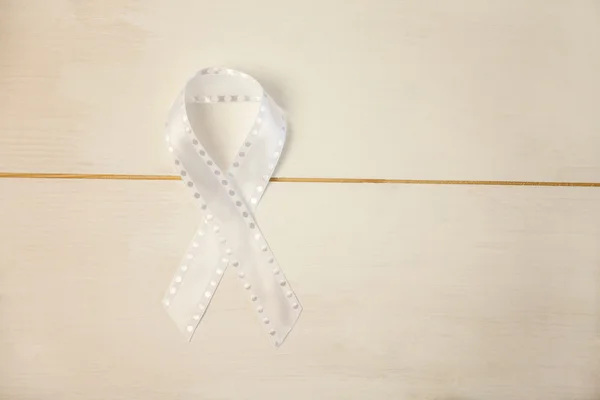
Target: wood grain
x,y
409,291
427,89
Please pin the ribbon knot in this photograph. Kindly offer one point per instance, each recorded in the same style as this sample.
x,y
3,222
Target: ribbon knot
x,y
227,198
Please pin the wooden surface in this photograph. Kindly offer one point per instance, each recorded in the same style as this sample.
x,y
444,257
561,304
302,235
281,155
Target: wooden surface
x,y
451,292
433,89
409,292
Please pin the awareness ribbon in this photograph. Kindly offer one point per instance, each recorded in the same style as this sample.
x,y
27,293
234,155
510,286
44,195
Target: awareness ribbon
x,y
229,234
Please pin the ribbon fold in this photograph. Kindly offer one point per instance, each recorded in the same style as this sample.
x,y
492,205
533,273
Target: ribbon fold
x,y
227,199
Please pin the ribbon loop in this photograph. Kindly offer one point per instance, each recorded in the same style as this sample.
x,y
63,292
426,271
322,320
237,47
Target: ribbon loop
x,y
227,198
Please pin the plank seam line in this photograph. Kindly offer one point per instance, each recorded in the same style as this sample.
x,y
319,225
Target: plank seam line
x,y
35,175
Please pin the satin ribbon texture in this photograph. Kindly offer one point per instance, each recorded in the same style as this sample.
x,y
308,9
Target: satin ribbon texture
x,y
227,196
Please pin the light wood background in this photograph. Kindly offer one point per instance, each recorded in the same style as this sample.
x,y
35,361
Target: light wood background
x,y
410,291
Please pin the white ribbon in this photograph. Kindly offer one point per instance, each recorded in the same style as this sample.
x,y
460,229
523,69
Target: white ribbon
x,y
227,198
